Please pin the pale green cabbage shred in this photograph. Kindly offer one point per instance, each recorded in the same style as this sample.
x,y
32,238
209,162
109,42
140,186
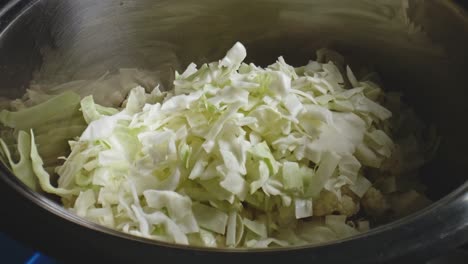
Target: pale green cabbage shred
x,y
236,155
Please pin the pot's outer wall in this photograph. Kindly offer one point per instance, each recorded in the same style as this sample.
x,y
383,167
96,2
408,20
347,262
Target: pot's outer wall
x,y
419,49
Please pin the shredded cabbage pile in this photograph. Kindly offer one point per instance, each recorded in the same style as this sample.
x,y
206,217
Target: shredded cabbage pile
x,y
235,155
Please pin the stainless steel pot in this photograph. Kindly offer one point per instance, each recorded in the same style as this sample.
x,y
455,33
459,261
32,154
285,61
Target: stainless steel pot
x,y
419,47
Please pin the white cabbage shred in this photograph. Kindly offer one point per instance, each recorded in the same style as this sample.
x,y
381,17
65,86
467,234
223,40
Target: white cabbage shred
x,y
236,155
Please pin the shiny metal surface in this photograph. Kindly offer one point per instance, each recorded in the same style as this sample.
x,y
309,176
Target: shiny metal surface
x,y
418,47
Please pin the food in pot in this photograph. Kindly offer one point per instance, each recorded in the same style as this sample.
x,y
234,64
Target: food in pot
x,y
233,155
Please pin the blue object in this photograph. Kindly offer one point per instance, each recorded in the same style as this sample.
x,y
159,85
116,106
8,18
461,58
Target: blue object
x,y
38,258
34,258
15,253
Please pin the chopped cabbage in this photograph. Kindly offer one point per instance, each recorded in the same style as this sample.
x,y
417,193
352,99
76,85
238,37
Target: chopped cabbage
x,y
235,155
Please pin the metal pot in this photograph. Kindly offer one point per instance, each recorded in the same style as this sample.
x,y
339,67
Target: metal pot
x,y
419,47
